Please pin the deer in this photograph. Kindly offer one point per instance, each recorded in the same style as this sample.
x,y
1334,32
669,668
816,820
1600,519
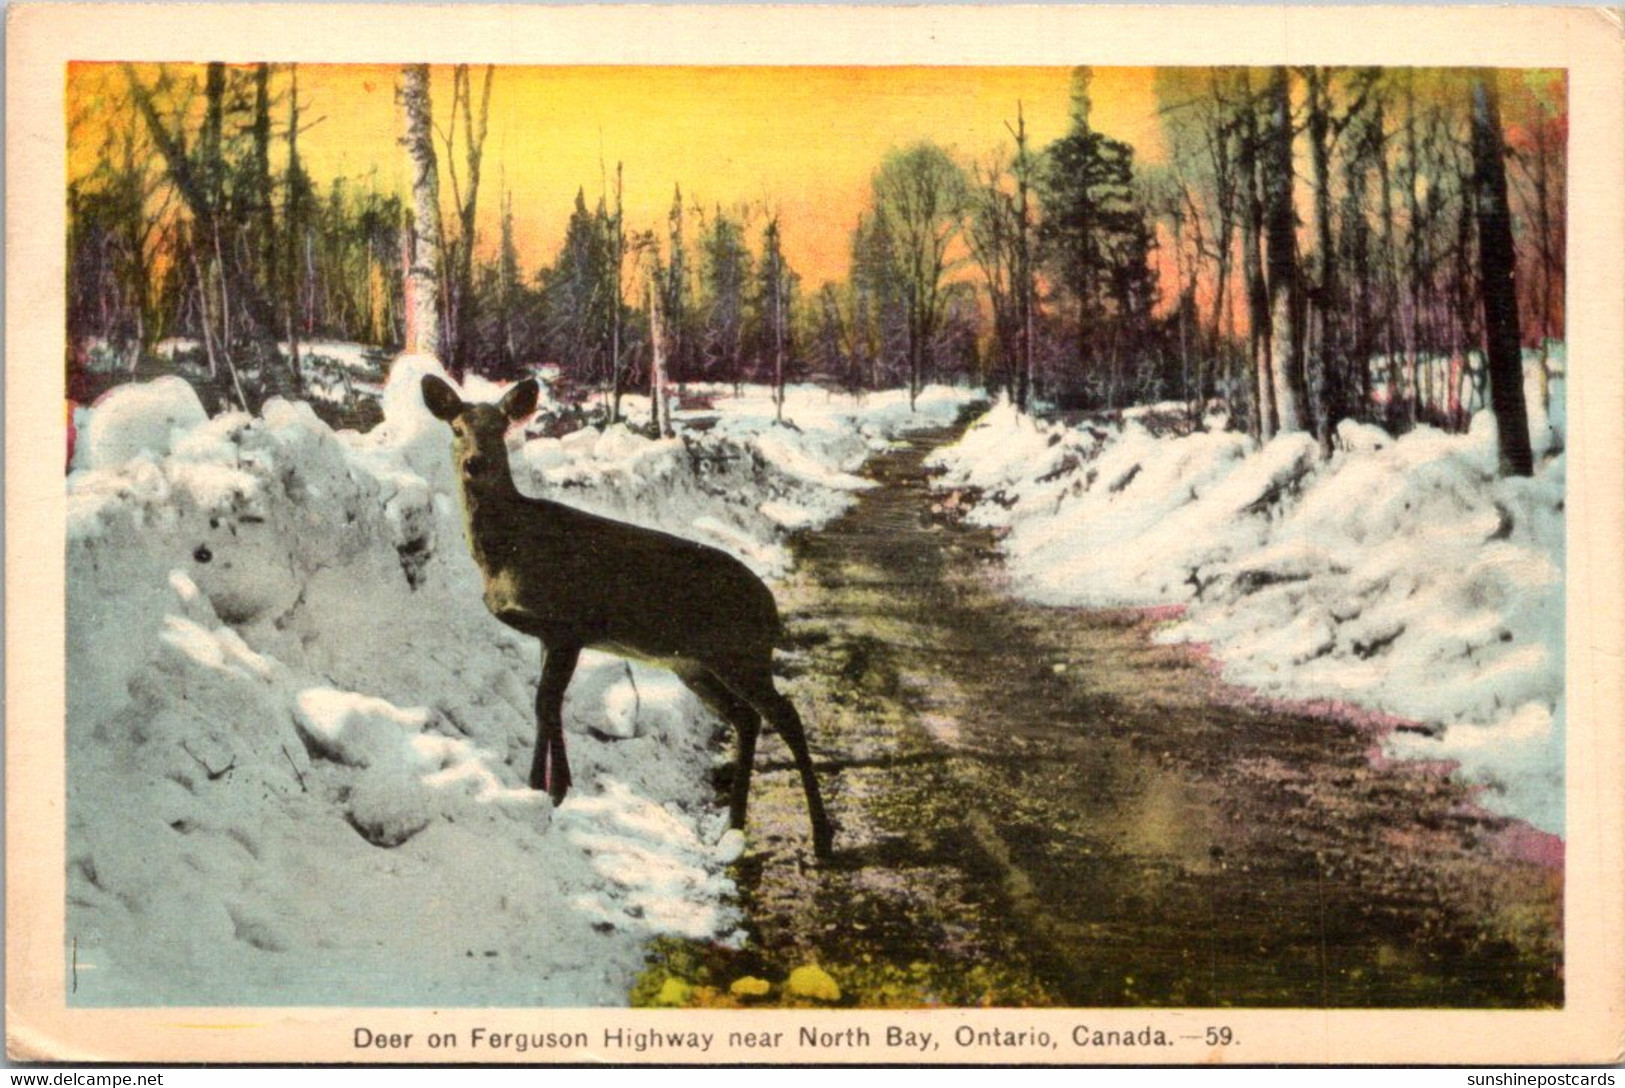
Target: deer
x,y
576,581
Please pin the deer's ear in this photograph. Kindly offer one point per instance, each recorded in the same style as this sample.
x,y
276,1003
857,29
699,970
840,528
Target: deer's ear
x,y
441,398
520,401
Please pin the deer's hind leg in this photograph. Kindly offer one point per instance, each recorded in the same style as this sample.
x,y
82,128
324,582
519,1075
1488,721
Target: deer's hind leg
x,y
550,766
753,682
747,724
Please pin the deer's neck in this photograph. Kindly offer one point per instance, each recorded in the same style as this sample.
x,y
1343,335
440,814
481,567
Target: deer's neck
x,y
493,516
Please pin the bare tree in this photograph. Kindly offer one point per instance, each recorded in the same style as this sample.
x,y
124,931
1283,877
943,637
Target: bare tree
x,y
1201,115
1502,341
919,194
1286,342
1326,336
461,300
1249,147
659,340
1026,290
991,231
1415,258
616,232
1168,195
1387,287
120,225
295,225
1390,286
225,282
999,231
424,256
1540,164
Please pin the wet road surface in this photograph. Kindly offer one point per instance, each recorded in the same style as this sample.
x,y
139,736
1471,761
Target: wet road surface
x,y
1039,806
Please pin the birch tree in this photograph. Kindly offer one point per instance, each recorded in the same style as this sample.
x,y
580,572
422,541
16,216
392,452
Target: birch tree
x,y
1284,285
424,256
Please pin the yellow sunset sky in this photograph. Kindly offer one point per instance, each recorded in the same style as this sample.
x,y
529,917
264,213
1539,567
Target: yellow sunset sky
x,y
802,141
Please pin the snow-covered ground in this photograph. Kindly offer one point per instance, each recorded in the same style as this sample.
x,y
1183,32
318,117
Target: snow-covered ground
x,y
297,742
336,371
1401,576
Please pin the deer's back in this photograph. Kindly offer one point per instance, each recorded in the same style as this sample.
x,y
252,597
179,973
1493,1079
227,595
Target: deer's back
x,y
563,574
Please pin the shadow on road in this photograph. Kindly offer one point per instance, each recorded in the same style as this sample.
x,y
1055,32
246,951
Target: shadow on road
x,y
1040,806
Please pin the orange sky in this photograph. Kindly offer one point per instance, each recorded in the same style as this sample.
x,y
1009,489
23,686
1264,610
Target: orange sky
x,y
804,139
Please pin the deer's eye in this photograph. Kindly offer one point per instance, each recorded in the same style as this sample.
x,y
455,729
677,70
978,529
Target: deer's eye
x,y
203,554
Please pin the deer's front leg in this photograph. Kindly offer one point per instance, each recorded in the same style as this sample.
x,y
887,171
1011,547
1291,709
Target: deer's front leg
x,y
550,767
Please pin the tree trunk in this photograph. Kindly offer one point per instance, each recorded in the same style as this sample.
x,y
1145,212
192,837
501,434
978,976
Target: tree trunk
x,y
1413,269
1496,261
1252,268
659,394
1390,277
778,341
914,335
617,259
1326,388
474,130
198,184
423,266
293,223
1025,291
1364,280
263,209
1286,348
1548,261
216,299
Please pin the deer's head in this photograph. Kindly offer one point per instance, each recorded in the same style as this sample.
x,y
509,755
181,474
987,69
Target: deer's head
x,y
479,447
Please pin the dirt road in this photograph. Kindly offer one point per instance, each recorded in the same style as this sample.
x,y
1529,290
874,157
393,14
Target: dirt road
x,y
1039,806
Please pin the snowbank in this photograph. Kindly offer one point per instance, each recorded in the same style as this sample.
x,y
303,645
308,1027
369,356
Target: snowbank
x,y
146,420
297,742
1401,576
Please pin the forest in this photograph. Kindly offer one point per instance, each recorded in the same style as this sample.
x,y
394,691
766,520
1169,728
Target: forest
x,y
1159,476
1308,245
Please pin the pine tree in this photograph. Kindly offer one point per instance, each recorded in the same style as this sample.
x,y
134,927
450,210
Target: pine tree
x,y
577,305
725,273
1097,239
676,292
774,291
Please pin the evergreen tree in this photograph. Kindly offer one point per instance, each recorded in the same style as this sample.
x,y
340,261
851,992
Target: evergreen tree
x,y
725,274
770,325
677,293
577,303
1096,238
879,304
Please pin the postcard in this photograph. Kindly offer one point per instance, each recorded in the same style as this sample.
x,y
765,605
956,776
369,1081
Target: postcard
x,y
1020,535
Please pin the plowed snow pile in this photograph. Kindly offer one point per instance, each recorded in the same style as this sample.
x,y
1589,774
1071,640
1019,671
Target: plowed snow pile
x,y
1401,576
297,743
